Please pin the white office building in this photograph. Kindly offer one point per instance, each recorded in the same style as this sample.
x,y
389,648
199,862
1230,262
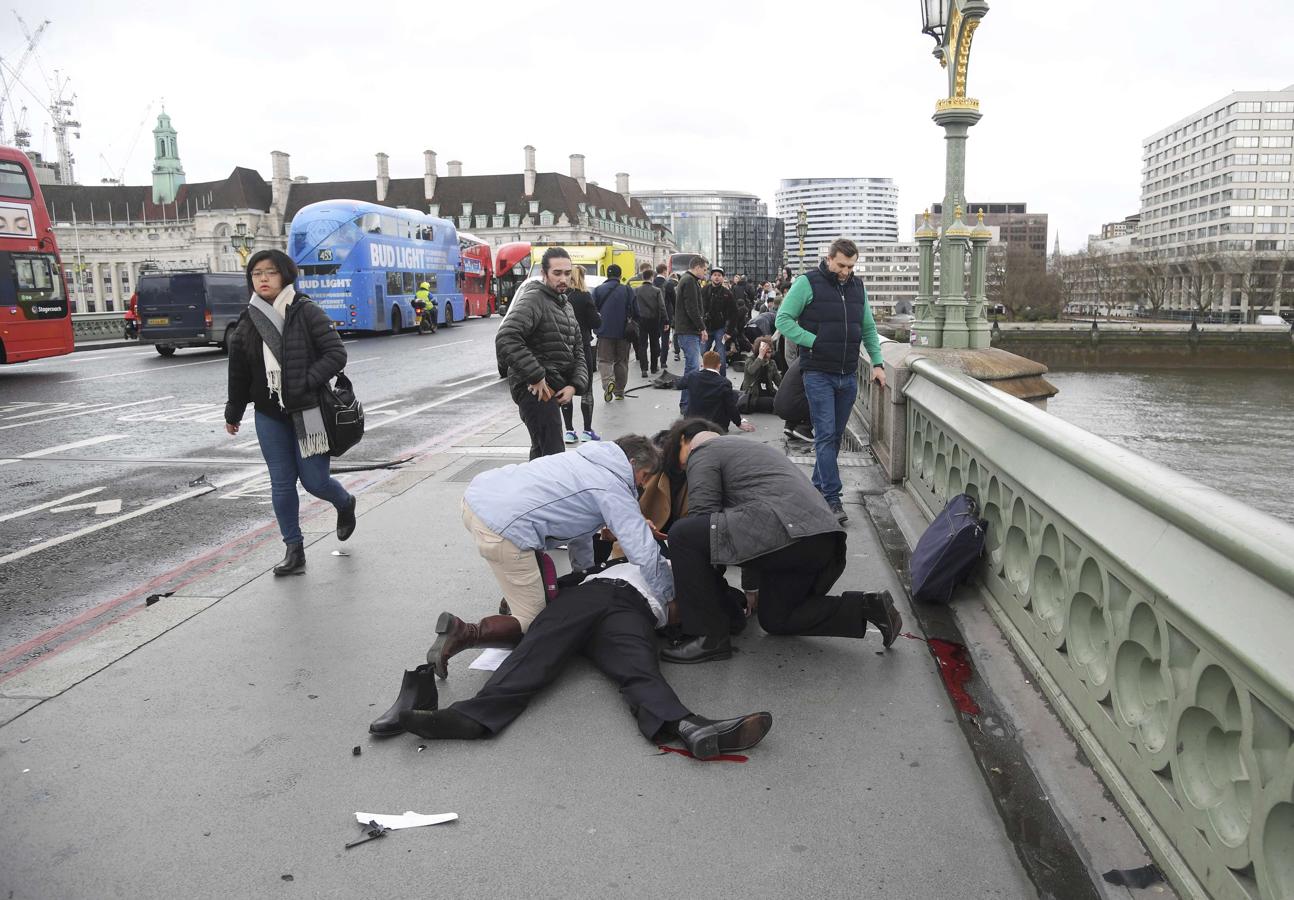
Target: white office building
x,y
865,210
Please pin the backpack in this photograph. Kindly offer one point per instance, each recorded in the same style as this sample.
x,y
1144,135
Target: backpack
x,y
947,551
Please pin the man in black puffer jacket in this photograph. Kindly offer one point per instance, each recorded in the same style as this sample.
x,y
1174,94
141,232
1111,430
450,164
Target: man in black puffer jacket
x,y
540,346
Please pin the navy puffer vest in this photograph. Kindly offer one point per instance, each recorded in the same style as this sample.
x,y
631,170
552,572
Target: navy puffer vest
x,y
835,315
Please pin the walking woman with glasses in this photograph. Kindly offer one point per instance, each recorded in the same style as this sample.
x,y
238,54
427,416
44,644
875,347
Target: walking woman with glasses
x,y
282,352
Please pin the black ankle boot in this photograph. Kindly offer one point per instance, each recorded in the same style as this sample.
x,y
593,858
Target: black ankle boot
x,y
442,725
294,563
346,519
417,691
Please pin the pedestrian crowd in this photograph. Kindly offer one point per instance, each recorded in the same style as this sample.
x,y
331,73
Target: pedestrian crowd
x,y
650,524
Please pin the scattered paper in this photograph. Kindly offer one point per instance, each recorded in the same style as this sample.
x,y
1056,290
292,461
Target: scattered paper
x,y
490,660
409,819
340,553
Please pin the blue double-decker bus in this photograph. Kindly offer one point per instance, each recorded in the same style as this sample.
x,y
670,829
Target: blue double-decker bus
x,y
363,263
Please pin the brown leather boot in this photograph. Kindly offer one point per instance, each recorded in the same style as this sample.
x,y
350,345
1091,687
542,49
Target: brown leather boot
x,y
453,636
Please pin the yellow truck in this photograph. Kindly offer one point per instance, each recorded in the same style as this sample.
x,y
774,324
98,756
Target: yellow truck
x,y
594,259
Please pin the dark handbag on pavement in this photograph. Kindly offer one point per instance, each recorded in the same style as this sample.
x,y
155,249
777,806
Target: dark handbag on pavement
x,y
343,415
948,550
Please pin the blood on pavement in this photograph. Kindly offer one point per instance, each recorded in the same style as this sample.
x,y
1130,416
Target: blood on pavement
x,y
954,668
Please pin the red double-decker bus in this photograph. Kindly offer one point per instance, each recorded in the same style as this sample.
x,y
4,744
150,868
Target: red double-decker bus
x,y
35,314
511,267
477,266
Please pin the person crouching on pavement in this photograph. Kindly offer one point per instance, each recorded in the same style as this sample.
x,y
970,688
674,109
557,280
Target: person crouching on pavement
x,y
515,512
283,350
609,619
748,505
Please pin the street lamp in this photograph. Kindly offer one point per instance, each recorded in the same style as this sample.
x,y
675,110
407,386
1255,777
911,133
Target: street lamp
x,y
802,231
242,242
945,323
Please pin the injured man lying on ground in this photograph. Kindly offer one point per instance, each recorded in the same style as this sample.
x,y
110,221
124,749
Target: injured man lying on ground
x,y
610,617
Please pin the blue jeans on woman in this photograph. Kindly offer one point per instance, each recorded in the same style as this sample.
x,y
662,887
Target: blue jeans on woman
x,y
831,399
282,454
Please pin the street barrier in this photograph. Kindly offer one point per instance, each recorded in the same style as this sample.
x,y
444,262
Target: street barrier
x,y
96,326
1155,612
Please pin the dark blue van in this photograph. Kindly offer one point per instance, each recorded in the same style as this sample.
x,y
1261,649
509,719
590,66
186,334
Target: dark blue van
x,y
190,309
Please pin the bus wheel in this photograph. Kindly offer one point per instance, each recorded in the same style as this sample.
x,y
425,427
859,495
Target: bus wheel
x,y
449,314
164,349
229,336
396,324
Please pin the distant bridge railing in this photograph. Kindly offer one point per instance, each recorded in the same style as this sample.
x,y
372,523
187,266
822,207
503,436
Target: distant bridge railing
x,y
96,326
1156,613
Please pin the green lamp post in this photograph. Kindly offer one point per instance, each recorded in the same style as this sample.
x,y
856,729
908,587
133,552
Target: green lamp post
x,y
952,24
241,241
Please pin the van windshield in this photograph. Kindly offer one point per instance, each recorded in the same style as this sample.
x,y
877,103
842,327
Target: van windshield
x,y
173,289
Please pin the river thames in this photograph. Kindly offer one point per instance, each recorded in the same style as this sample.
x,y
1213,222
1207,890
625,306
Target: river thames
x,y
1233,431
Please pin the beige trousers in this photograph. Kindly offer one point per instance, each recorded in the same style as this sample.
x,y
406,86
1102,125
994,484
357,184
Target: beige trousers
x,y
516,570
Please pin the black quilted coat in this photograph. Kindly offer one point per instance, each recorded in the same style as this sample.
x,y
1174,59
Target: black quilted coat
x,y
540,339
313,353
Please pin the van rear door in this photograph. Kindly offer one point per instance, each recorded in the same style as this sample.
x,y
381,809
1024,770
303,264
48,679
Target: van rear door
x,y
172,308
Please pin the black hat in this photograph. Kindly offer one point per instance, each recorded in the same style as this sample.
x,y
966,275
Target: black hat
x,y
613,271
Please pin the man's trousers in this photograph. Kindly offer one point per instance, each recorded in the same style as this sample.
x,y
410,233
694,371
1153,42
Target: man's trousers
x,y
610,624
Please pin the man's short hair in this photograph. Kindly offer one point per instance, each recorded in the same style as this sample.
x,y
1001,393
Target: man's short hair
x,y
698,261
613,271
642,453
842,247
661,268
551,254
645,273
710,359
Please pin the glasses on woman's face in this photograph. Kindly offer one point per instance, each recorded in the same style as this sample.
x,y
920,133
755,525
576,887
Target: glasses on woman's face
x,y
264,273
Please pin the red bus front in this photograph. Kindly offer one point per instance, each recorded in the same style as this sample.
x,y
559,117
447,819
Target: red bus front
x,y
511,266
35,313
478,275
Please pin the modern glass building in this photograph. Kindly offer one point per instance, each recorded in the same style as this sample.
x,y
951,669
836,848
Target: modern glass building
x,y
731,229
865,210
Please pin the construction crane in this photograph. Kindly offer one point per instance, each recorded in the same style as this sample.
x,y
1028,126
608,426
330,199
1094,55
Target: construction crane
x,y
118,175
6,98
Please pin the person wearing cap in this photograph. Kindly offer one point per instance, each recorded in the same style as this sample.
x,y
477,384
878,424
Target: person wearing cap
x,y
618,307
721,315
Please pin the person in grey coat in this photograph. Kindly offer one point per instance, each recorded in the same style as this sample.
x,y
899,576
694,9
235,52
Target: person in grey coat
x,y
749,506
651,318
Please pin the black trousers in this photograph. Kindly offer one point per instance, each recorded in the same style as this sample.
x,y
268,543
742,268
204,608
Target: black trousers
x,y
610,624
544,422
649,347
787,603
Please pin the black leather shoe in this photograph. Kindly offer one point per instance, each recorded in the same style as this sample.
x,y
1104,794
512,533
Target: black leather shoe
x,y
294,562
697,650
707,738
346,519
878,608
442,725
417,691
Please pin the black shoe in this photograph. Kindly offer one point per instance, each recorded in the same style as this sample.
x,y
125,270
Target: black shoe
x,y
442,725
697,650
294,563
417,691
878,609
346,519
839,509
707,738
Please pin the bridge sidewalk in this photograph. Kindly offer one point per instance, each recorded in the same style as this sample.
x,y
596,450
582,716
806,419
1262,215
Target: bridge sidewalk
x,y
214,759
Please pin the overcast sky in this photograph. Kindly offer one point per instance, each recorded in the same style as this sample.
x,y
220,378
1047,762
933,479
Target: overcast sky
x,y
713,95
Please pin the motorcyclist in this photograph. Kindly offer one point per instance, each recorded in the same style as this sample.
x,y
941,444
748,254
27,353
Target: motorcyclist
x,y
423,302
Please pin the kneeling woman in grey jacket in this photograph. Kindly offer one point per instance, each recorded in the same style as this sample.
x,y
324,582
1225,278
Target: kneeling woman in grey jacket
x,y
282,352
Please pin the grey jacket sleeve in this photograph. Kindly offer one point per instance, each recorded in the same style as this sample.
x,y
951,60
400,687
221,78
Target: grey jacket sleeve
x,y
625,519
704,484
510,341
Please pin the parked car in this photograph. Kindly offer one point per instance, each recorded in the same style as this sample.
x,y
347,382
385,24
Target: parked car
x,y
190,309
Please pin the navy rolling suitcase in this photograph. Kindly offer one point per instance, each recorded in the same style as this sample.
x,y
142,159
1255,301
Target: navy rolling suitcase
x,y
948,550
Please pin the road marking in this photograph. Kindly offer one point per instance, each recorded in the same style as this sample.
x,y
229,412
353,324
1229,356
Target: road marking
x,y
356,362
351,341
38,507
245,475
473,378
88,442
100,507
55,408
443,346
418,409
376,406
86,412
153,371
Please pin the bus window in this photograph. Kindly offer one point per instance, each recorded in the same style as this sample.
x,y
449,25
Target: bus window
x,y
33,273
394,284
390,225
458,281
370,223
409,286
13,181
430,278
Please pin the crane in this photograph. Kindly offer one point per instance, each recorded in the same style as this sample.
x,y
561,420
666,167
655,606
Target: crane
x,y
33,38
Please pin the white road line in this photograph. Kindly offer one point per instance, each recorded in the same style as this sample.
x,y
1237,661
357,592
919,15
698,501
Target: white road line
x,y
351,341
443,346
356,362
417,409
154,371
85,412
246,475
473,378
88,442
59,408
375,406
38,507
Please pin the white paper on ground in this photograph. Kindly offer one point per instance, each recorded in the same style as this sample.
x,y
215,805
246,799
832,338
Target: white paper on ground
x,y
490,660
409,819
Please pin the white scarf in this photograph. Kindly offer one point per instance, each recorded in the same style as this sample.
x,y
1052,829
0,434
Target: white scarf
x,y
273,371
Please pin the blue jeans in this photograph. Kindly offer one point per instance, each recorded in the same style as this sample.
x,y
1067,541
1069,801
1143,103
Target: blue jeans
x,y
690,344
715,342
282,454
831,399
